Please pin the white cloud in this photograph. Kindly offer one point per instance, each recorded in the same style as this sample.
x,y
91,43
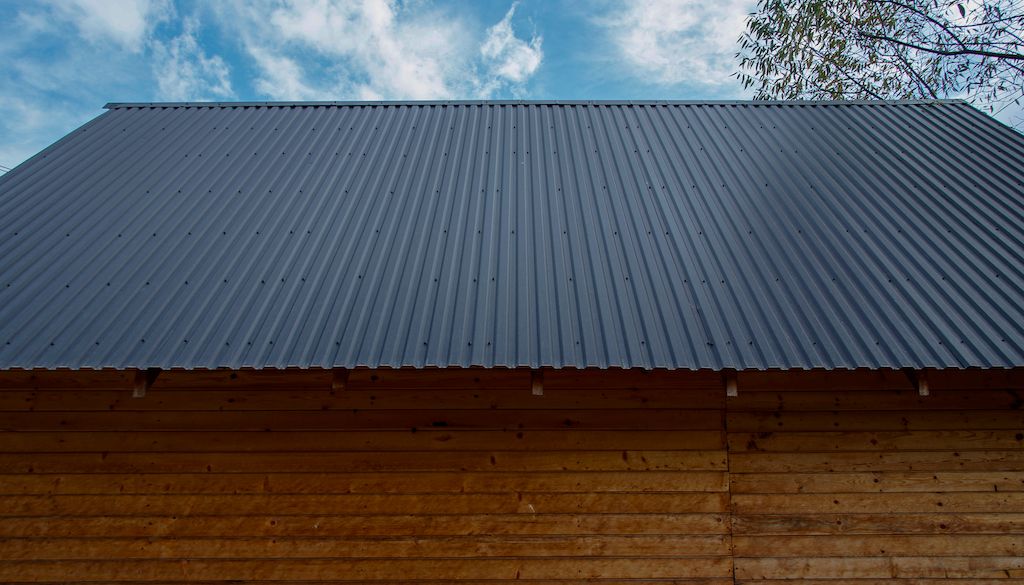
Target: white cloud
x,y
64,61
185,72
507,56
377,49
66,58
281,77
54,78
669,42
125,22
27,127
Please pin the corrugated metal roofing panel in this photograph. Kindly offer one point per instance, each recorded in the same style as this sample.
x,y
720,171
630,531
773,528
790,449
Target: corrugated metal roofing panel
x,y
654,235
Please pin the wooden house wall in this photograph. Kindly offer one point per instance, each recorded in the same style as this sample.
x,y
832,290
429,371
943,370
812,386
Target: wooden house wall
x,y
864,482
443,476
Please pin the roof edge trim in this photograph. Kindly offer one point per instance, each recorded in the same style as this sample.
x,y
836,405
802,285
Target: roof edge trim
x,y
272,104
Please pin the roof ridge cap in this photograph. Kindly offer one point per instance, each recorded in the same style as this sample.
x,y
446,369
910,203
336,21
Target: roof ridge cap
x,y
399,103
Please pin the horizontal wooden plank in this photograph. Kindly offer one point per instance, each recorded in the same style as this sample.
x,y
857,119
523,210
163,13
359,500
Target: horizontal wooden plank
x,y
249,505
882,581
444,378
1007,522
659,581
363,547
945,545
750,462
857,380
331,462
437,378
877,440
339,483
22,379
369,379
839,380
880,567
888,481
246,399
323,525
219,398
349,420
572,480
310,441
977,379
554,379
974,420
752,381
892,503
383,569
824,399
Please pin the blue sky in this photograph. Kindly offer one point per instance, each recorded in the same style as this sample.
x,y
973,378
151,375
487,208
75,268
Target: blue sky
x,y
64,59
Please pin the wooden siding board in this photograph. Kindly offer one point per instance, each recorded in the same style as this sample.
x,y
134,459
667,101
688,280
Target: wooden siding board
x,y
470,547
355,441
251,477
881,481
875,461
365,482
867,485
282,400
607,479
942,545
280,526
365,569
333,462
375,504
1004,522
895,567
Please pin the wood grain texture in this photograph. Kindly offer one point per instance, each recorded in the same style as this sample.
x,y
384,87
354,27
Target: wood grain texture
x,y
940,545
277,525
372,504
438,476
361,440
477,546
873,485
402,476
386,570
878,481
894,567
1005,522
337,462
485,482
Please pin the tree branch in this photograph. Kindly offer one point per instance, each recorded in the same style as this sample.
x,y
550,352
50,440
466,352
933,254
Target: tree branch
x,y
863,87
921,82
945,52
943,26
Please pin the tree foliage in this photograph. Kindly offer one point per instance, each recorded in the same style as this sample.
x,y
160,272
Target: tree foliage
x,y
885,49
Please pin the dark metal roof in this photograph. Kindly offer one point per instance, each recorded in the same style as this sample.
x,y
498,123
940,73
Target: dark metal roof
x,y
646,234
